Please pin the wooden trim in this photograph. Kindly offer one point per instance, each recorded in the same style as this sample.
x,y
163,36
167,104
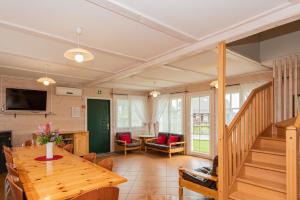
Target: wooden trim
x,y
246,104
291,162
222,134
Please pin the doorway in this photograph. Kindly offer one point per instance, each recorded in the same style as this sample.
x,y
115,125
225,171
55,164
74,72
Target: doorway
x,y
98,125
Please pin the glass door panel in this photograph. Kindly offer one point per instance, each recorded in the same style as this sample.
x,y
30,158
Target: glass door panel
x,y
200,125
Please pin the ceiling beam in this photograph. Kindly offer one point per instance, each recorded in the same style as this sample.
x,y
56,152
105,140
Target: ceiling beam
x,y
159,79
282,14
190,70
57,63
43,72
138,17
32,31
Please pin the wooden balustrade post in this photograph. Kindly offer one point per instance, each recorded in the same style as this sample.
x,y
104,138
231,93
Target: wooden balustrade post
x,y
292,143
222,134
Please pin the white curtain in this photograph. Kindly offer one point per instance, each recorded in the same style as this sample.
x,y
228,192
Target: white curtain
x,y
246,88
136,112
159,105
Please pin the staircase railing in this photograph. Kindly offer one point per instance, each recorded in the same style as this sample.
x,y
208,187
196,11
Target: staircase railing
x,y
292,160
254,116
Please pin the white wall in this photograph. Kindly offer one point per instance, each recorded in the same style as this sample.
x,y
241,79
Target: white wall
x,y
280,46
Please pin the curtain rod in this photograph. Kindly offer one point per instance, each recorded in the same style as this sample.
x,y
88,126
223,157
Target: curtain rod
x,y
119,94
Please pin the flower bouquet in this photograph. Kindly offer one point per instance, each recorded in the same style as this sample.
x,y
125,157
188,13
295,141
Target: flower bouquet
x,y
45,135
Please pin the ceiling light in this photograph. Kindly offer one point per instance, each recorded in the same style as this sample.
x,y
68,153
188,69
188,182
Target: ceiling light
x,y
78,54
214,84
154,93
46,80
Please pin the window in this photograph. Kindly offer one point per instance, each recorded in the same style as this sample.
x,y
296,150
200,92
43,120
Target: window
x,y
200,124
172,118
130,111
232,105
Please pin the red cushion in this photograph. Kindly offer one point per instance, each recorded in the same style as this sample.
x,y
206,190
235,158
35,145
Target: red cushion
x,y
173,138
161,139
125,137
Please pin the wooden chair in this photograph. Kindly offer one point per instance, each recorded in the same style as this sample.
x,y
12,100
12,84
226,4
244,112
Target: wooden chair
x,y
11,169
106,163
61,145
16,190
27,143
123,145
7,149
8,157
106,193
203,180
90,157
69,148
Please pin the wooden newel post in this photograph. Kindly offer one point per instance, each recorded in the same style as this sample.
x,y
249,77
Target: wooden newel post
x,y
222,134
292,162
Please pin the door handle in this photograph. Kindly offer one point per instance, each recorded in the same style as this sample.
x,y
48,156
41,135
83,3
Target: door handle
x,y
107,125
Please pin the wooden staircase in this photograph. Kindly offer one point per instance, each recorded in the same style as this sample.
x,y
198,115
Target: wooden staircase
x,y
260,159
263,174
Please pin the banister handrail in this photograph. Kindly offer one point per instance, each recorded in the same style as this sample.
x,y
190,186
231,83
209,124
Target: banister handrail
x,y
255,116
246,104
297,121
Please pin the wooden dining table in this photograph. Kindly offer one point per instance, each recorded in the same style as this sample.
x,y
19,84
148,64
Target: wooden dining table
x,y
59,179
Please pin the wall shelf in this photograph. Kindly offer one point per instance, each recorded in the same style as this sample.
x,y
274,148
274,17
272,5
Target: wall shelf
x,y
15,113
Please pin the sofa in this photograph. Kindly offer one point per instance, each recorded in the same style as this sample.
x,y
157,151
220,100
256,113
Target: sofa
x,y
125,142
166,143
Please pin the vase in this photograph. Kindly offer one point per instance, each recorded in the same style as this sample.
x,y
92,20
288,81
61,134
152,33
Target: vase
x,y
49,150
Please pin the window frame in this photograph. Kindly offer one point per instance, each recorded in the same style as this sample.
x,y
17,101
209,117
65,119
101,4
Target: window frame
x,y
129,99
172,97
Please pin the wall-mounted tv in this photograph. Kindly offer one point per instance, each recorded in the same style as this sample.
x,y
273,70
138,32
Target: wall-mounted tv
x,y
22,99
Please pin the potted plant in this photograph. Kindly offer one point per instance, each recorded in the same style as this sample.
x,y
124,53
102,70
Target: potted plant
x,y
45,135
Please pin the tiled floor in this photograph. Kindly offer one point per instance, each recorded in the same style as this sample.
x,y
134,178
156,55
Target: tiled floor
x,y
154,176
151,176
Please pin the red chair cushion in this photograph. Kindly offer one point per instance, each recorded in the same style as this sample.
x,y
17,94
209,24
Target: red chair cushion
x,y
125,137
173,138
161,139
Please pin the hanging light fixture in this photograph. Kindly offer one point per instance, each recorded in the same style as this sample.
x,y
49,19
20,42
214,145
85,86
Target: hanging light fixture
x,y
214,84
78,54
46,80
154,93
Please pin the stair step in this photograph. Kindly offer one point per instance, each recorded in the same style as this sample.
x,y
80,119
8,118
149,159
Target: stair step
x,y
271,185
267,158
268,142
269,150
237,195
266,166
241,190
270,136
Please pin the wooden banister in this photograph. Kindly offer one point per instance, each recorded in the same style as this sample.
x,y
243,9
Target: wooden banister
x,y
292,157
255,115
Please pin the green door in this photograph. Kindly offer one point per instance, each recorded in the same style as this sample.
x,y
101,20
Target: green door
x,y
98,118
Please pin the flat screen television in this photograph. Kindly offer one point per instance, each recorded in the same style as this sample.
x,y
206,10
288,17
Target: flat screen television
x,y
23,99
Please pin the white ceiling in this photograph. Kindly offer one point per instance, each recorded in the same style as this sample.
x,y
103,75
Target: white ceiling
x,y
135,42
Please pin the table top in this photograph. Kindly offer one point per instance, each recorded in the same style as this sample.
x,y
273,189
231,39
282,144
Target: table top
x,y
59,179
147,136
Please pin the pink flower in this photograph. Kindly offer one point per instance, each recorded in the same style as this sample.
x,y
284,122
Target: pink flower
x,y
48,128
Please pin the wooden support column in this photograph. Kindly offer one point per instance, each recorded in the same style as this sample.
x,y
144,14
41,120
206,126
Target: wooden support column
x,y
222,134
292,162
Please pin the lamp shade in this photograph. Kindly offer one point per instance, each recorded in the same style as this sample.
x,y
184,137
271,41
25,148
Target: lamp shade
x,y
79,55
155,93
46,80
